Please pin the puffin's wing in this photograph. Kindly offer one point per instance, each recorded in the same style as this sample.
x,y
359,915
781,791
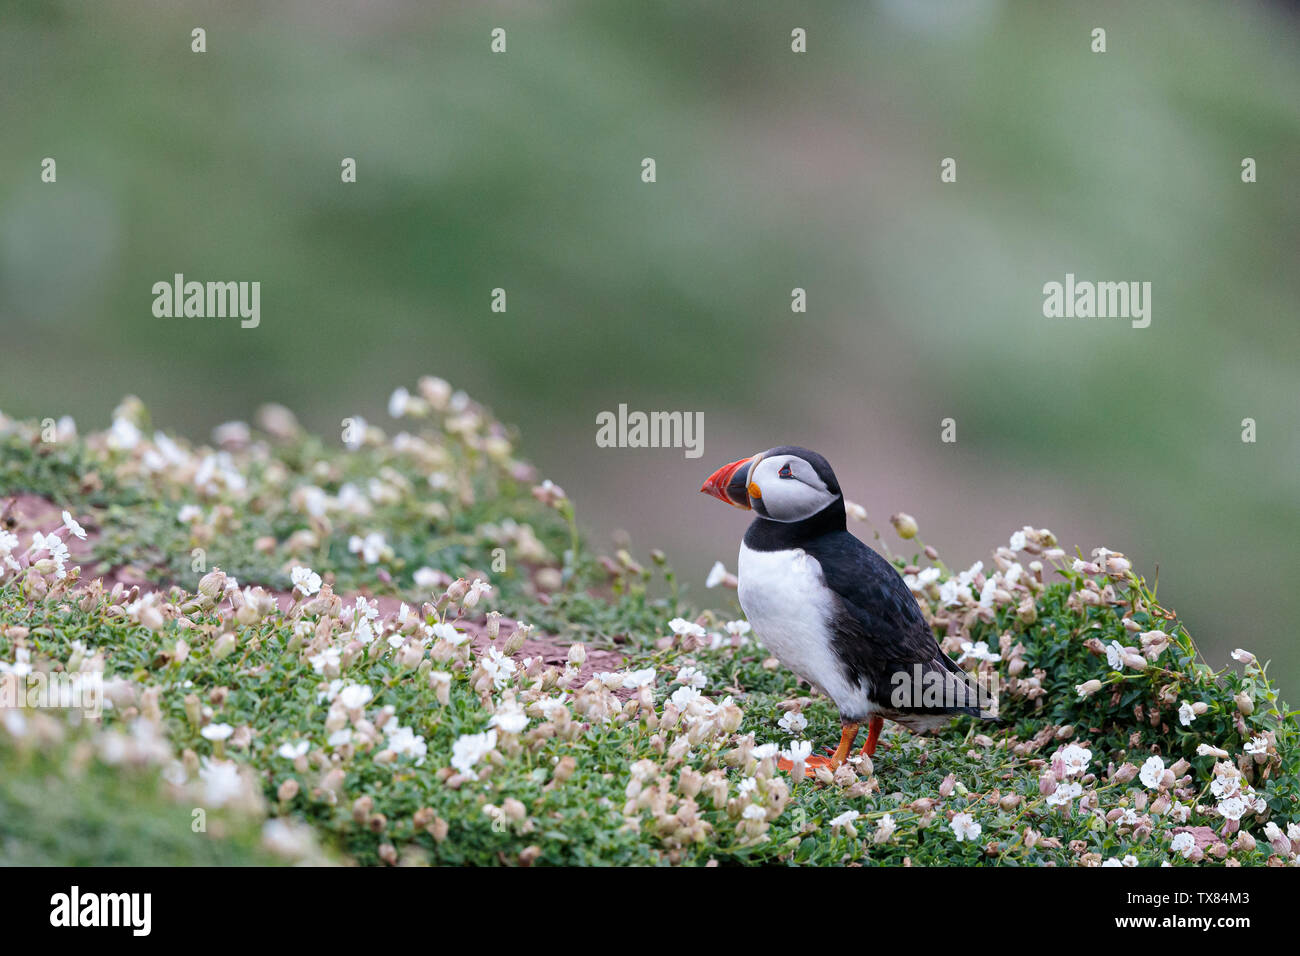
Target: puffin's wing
x,y
880,631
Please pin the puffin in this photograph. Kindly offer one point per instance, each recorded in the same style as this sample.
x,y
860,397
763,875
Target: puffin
x,y
830,608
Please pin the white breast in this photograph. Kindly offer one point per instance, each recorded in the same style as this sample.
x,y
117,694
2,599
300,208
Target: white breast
x,y
785,598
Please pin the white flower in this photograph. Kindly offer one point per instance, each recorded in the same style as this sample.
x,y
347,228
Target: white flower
x,y
737,628
70,523
510,718
221,781
123,436
1063,794
764,751
426,579
1152,770
446,632
754,812
1185,714
217,731
398,402
291,751
305,580
404,742
340,737
798,754
1183,843
1115,655
953,592
717,574
329,657
477,589
1227,780
848,816
1017,541
189,513
885,827
1075,759
792,722
355,696
634,679
964,827
371,547
1256,745
1233,808
500,667
692,677
1243,657
746,785
978,651
684,628
921,580
469,749
683,697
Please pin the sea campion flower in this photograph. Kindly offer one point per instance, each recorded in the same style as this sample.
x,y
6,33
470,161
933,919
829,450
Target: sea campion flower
x,y
1073,759
305,580
978,651
1183,843
1064,794
635,679
684,628
798,754
371,547
476,590
498,666
1152,771
692,677
469,749
792,722
964,827
509,718
217,732
70,523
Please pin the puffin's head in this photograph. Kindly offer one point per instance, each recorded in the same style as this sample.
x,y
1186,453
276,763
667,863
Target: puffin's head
x,y
782,484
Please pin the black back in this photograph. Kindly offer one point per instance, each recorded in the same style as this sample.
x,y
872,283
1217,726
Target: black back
x,y
879,630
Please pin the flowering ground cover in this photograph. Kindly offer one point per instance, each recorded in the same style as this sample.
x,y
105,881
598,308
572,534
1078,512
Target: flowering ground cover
x,y
396,649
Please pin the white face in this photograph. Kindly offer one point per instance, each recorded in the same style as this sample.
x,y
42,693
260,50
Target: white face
x,y
788,489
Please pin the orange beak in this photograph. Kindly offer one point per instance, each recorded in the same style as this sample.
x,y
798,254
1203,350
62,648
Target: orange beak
x,y
728,483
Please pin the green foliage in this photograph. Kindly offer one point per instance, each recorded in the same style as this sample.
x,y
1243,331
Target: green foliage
x,y
372,728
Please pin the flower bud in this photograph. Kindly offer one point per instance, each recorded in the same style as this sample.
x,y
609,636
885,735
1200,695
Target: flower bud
x,y
213,584
224,646
904,524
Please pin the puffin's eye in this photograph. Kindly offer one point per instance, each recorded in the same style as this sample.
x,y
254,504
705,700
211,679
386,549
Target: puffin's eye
x,y
785,471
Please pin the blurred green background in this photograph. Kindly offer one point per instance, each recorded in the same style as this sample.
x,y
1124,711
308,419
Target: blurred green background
x,y
775,171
